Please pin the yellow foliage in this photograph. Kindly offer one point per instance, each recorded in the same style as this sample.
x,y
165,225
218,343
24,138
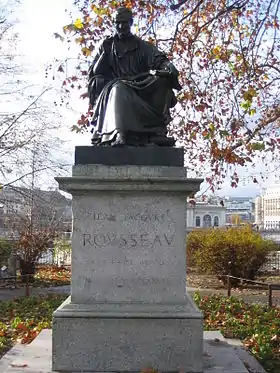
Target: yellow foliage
x,y
86,51
78,24
216,51
99,11
250,94
238,251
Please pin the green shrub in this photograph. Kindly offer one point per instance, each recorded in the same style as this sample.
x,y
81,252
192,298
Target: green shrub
x,y
238,251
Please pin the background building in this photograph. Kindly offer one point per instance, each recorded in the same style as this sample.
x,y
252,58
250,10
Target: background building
x,y
267,209
22,207
239,210
205,215
219,212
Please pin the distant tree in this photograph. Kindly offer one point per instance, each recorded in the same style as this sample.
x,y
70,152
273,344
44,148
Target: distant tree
x,y
27,120
228,56
31,246
5,251
41,218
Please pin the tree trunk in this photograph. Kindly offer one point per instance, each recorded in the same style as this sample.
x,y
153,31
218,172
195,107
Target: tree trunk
x,y
27,271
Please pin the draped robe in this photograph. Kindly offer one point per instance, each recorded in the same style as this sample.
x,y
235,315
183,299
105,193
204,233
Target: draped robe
x,y
121,103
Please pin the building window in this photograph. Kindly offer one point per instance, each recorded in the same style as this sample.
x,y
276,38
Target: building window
x,y
197,221
216,221
207,221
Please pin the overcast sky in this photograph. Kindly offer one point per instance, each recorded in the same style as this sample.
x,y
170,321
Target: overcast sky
x,y
37,22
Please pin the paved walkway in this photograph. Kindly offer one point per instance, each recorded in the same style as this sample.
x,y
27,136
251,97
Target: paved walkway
x,y
250,297
10,294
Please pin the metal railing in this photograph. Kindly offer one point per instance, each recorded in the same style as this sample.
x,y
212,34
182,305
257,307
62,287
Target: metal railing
x,y
270,287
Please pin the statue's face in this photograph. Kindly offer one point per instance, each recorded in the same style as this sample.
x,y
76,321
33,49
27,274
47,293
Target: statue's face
x,y
123,26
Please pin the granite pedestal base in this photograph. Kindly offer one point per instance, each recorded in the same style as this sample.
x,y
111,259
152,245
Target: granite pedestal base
x,y
128,309
128,338
219,356
141,156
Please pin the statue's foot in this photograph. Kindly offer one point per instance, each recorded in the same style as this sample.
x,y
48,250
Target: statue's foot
x,y
118,144
162,140
130,139
119,141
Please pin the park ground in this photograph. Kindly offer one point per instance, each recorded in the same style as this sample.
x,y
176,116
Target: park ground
x,y
244,316
51,280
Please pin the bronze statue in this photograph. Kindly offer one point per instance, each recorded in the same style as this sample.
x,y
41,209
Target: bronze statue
x,y
130,89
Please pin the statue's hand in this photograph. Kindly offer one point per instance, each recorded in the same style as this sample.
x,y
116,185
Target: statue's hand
x,y
174,73
168,66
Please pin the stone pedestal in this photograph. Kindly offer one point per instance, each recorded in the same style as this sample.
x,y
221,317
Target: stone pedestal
x,y
128,308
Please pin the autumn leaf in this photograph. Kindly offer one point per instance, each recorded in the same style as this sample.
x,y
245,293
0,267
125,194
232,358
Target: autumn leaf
x,y
78,24
21,326
258,146
86,51
80,40
99,11
19,364
216,51
250,94
246,105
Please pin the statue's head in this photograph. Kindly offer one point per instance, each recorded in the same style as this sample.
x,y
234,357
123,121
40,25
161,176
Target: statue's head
x,y
123,20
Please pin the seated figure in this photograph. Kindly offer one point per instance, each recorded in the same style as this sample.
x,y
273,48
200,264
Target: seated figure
x,y
131,89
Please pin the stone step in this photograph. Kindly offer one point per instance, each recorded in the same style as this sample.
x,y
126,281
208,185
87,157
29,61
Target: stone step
x,y
16,352
219,356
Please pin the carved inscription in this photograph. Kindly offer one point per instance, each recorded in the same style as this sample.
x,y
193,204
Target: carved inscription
x,y
141,281
149,217
124,260
103,216
86,282
129,241
114,260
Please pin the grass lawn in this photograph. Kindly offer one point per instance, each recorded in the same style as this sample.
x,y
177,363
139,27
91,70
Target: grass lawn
x,y
22,320
256,325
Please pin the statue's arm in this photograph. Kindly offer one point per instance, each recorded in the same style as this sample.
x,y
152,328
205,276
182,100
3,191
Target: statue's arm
x,y
168,66
98,73
96,65
159,61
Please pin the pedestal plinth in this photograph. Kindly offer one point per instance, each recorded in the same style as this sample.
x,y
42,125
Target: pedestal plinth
x,y
128,308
